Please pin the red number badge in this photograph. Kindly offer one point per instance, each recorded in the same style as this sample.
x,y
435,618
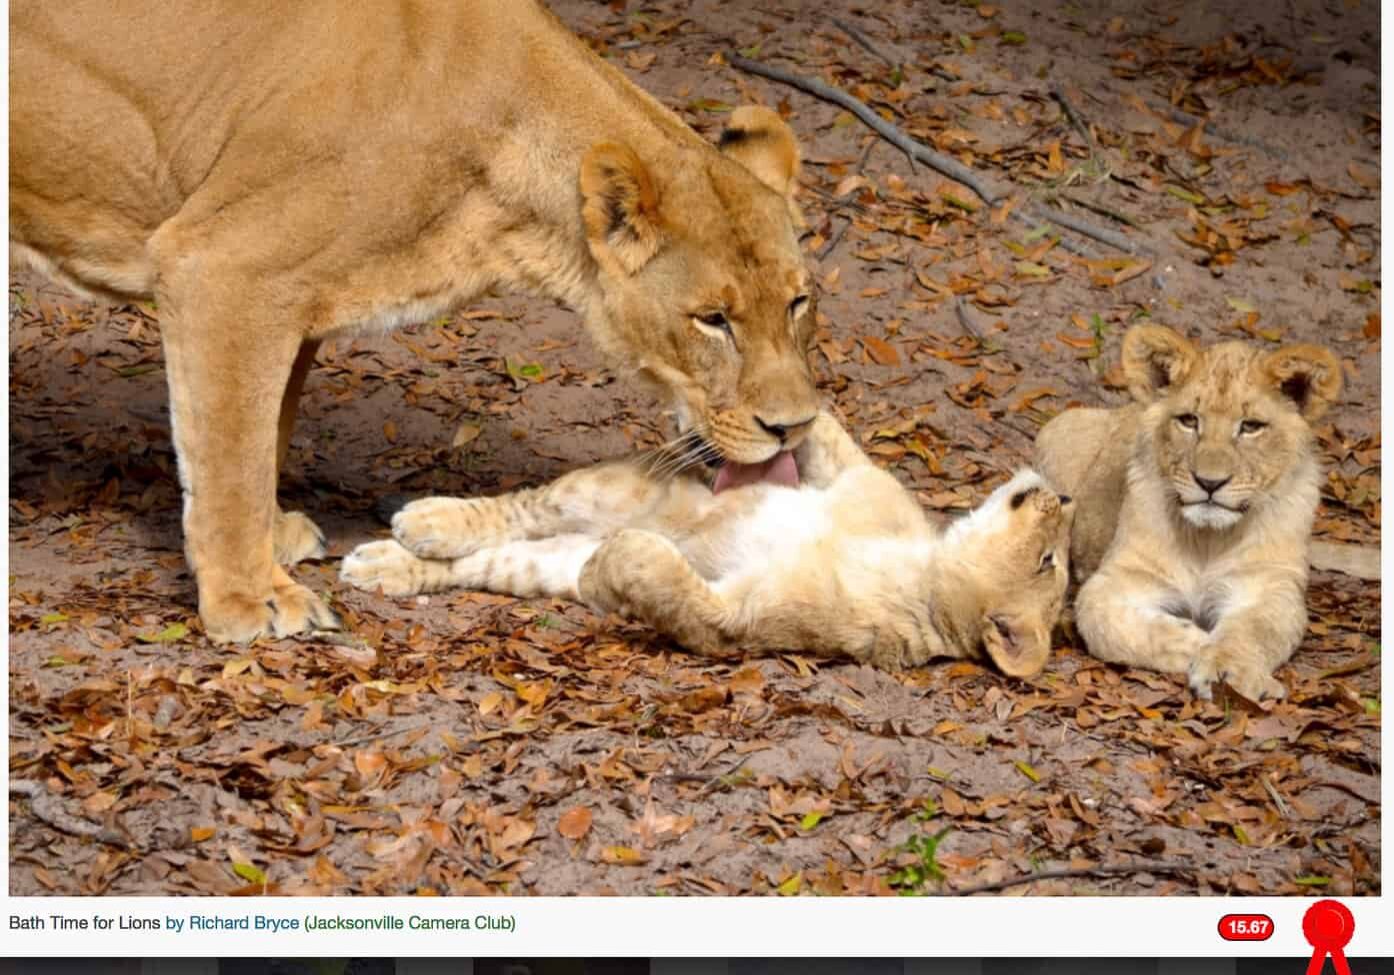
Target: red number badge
x,y
1246,927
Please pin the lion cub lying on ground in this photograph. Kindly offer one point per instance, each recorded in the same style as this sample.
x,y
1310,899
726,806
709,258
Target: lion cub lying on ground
x,y
844,563
1196,506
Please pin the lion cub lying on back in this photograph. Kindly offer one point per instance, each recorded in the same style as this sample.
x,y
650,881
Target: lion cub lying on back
x,y
846,563
1195,507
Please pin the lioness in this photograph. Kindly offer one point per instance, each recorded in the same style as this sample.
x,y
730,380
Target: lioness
x,y
273,174
1195,507
841,562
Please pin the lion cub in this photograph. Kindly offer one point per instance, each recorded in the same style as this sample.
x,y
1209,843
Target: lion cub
x,y
845,563
1195,507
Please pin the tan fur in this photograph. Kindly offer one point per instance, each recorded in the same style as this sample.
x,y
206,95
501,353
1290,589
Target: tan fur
x,y
845,565
1173,581
273,174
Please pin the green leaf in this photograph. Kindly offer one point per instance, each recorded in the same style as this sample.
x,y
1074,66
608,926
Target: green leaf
x,y
1372,705
175,631
523,370
962,204
1025,769
1185,194
53,619
1013,37
792,885
1241,835
810,820
965,42
1312,880
128,372
1032,269
249,873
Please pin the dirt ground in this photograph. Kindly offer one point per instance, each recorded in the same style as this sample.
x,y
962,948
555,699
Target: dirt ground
x,y
491,745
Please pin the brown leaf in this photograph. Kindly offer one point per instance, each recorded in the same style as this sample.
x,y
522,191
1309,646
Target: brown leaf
x,y
575,822
881,351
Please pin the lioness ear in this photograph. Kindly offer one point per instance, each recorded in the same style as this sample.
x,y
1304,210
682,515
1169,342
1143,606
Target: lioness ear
x,y
1309,375
619,208
1155,357
763,143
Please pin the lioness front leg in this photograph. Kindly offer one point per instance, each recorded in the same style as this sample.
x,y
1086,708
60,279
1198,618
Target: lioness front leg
x,y
594,500
297,537
642,575
1122,618
223,372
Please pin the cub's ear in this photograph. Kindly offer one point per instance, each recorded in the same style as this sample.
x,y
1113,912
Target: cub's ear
x,y
619,208
1015,649
1154,358
1309,375
763,143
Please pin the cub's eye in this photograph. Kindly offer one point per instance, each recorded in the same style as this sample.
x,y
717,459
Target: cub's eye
x,y
1188,421
1251,427
798,306
715,319
1047,561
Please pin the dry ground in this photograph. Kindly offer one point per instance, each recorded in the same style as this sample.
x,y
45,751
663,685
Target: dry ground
x,y
491,745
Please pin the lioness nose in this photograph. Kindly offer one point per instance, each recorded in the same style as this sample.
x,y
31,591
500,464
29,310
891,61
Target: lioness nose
x,y
780,431
1208,485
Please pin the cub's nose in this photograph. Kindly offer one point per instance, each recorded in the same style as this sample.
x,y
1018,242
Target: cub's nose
x,y
1210,486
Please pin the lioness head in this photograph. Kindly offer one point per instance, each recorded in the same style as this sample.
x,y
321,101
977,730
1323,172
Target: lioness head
x,y
1229,422
1018,545
705,290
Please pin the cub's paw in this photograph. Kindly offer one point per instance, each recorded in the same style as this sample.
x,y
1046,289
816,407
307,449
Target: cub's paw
x,y
441,528
1248,678
384,566
297,538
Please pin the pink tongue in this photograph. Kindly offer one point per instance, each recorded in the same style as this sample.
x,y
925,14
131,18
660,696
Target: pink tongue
x,y
779,469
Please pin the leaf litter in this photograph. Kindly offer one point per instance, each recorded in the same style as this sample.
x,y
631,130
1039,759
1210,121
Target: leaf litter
x,y
476,744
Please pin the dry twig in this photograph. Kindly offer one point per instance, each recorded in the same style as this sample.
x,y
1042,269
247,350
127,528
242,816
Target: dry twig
x,y
1100,871
48,808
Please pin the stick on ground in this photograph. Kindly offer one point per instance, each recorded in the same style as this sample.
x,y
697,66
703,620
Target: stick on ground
x,y
1101,871
48,808
939,162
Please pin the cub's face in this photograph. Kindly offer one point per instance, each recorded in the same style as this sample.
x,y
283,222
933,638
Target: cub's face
x,y
1021,544
1227,423
706,293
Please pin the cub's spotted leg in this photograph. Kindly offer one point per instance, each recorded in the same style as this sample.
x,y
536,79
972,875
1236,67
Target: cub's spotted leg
x,y
1123,619
545,567
595,500
1256,633
826,451
296,537
642,575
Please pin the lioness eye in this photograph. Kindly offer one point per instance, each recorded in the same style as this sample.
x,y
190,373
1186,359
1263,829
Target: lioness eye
x,y
715,319
1189,421
797,306
1252,426
1047,561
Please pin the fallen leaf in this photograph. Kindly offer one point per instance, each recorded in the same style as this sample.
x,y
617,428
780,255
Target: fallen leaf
x,y
574,823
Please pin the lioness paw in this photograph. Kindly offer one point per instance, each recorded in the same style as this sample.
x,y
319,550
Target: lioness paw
x,y
290,609
441,528
385,566
297,538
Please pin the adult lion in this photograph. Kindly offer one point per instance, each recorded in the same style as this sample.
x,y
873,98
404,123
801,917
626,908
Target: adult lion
x,y
273,174
1195,507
